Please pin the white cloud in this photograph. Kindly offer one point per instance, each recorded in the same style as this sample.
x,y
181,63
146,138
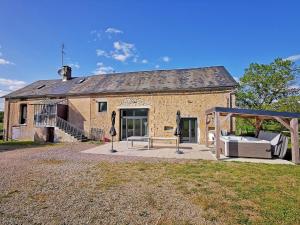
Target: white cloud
x,y
100,34
166,59
96,34
144,61
112,30
293,58
237,79
7,86
100,52
74,65
123,51
157,66
5,62
294,86
102,69
11,85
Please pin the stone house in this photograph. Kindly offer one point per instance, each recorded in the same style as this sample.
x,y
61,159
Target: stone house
x,y
145,103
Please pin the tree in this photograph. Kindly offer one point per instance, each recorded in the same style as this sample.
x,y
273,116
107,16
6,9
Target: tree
x,y
288,104
265,86
1,116
268,87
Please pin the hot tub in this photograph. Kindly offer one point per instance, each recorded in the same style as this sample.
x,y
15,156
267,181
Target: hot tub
x,y
238,146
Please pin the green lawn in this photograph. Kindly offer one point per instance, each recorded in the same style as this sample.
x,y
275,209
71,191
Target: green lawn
x,y
18,144
229,193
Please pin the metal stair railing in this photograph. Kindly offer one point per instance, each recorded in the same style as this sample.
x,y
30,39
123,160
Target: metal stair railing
x,y
70,128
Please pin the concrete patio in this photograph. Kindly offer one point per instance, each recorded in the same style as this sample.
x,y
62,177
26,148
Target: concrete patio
x,y
162,150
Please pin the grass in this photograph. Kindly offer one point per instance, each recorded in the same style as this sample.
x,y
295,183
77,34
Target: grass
x,y
13,144
229,193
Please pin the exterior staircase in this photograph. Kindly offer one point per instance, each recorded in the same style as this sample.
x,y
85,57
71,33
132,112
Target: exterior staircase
x,y
71,129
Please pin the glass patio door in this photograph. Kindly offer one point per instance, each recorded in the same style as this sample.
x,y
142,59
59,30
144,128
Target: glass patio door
x,y
134,122
189,130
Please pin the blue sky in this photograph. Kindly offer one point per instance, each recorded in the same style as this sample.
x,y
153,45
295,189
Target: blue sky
x,y
106,36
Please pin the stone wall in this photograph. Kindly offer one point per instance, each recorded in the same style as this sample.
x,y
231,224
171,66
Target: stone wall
x,y
162,110
26,131
83,111
61,136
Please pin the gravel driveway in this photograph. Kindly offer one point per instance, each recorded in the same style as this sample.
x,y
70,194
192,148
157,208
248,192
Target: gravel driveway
x,y
57,184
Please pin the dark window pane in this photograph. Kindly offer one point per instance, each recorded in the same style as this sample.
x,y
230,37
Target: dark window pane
x,y
129,127
137,127
102,106
23,114
141,112
124,129
129,112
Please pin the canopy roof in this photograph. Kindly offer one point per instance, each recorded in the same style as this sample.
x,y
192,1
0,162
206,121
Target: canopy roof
x,y
248,113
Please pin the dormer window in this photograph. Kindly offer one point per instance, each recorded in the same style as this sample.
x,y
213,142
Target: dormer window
x,y
41,86
80,81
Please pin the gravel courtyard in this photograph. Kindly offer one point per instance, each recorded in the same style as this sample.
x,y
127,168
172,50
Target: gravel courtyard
x,y
58,184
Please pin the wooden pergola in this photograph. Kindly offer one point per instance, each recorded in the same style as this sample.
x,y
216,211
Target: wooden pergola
x,y
287,119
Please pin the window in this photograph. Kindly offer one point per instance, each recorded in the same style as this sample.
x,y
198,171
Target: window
x,y
23,113
102,106
80,81
41,86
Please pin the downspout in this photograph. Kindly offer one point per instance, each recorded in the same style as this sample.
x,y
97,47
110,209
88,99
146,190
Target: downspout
x,y
230,106
7,119
90,130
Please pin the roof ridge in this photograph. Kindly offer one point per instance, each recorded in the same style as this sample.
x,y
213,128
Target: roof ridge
x,y
138,71
155,70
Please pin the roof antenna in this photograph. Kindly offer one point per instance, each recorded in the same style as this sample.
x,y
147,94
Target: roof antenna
x,y
62,54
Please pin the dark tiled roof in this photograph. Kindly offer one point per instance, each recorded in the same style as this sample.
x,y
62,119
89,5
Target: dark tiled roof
x,y
196,79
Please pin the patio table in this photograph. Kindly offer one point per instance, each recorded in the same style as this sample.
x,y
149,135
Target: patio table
x,y
138,138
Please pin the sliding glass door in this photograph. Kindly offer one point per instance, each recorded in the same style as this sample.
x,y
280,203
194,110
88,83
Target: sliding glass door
x,y
134,122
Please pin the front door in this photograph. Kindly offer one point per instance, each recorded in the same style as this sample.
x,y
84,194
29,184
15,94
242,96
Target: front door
x,y
189,130
134,122
50,134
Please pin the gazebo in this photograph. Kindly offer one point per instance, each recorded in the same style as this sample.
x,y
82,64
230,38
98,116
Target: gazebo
x,y
287,119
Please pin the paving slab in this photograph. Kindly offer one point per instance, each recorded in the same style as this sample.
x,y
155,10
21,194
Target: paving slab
x,y
160,150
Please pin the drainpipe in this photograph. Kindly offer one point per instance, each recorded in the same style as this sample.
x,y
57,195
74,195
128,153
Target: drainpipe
x,y
7,119
230,106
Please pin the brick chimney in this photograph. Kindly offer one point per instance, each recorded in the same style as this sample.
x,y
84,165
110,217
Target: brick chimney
x,y
66,73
